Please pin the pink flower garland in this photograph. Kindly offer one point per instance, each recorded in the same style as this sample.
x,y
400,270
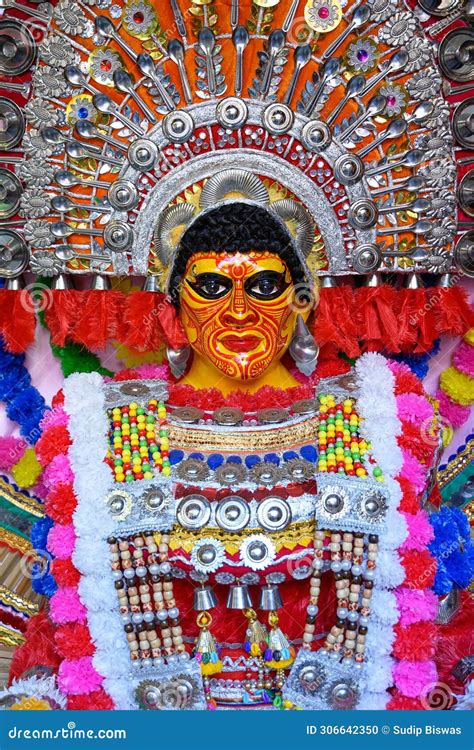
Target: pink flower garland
x,y
76,677
416,606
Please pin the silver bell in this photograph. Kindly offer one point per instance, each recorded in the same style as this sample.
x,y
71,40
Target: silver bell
x,y
270,598
204,599
239,597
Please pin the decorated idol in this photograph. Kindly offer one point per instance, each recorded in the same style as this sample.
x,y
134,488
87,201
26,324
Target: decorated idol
x,y
240,516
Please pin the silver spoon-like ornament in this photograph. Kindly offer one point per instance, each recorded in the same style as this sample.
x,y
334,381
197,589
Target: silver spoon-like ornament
x,y
419,227
64,205
240,38
409,159
354,87
396,62
55,137
329,71
302,56
360,16
106,29
176,53
418,206
87,129
411,184
276,43
394,129
375,106
147,67
77,150
67,180
74,76
124,83
105,105
207,43
66,253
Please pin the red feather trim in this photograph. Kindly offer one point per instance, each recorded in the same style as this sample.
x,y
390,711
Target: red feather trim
x,y
415,642
334,320
377,315
420,569
400,702
89,318
96,701
38,648
453,313
65,574
73,640
142,329
172,326
417,321
98,318
60,310
17,319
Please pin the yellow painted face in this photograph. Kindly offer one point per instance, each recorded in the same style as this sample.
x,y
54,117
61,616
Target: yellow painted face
x,y
238,310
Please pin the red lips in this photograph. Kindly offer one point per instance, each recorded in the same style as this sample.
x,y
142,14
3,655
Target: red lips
x,y
240,343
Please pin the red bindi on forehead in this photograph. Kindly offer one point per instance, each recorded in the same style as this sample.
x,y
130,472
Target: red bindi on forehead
x,y
236,266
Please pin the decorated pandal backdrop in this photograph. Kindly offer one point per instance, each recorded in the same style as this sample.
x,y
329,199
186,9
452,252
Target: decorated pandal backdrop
x,y
237,354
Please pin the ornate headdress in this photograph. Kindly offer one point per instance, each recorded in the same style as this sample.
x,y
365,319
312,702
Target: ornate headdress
x,y
139,121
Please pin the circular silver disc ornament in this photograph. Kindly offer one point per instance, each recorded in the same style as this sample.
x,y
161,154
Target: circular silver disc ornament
x,y
316,135
272,415
363,214
348,169
135,389
17,48
373,505
232,113
463,123
193,512
305,406
233,513
178,126
14,254
333,500
257,552
439,8
277,118
274,514
188,414
466,193
119,504
230,474
456,54
342,696
154,500
366,258
464,253
12,124
228,415
143,154
10,193
123,195
118,236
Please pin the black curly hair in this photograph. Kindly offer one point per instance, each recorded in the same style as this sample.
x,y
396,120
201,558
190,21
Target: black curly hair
x,y
232,228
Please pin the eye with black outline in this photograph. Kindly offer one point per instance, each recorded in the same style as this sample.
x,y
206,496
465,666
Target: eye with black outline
x,y
210,285
266,285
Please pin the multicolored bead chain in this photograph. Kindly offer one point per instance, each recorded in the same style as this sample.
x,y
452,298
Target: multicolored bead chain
x,y
341,449
135,451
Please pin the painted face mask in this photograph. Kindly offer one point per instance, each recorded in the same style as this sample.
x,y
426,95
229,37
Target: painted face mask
x,y
237,310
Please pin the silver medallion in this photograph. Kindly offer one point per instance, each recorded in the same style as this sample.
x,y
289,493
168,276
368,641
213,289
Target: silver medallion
x,y
228,415
193,511
274,514
187,414
233,513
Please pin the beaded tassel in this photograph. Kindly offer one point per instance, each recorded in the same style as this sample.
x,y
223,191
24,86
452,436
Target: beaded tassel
x,y
279,654
256,642
205,649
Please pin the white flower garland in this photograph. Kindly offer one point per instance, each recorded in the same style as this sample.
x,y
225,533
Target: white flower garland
x,y
381,426
84,402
